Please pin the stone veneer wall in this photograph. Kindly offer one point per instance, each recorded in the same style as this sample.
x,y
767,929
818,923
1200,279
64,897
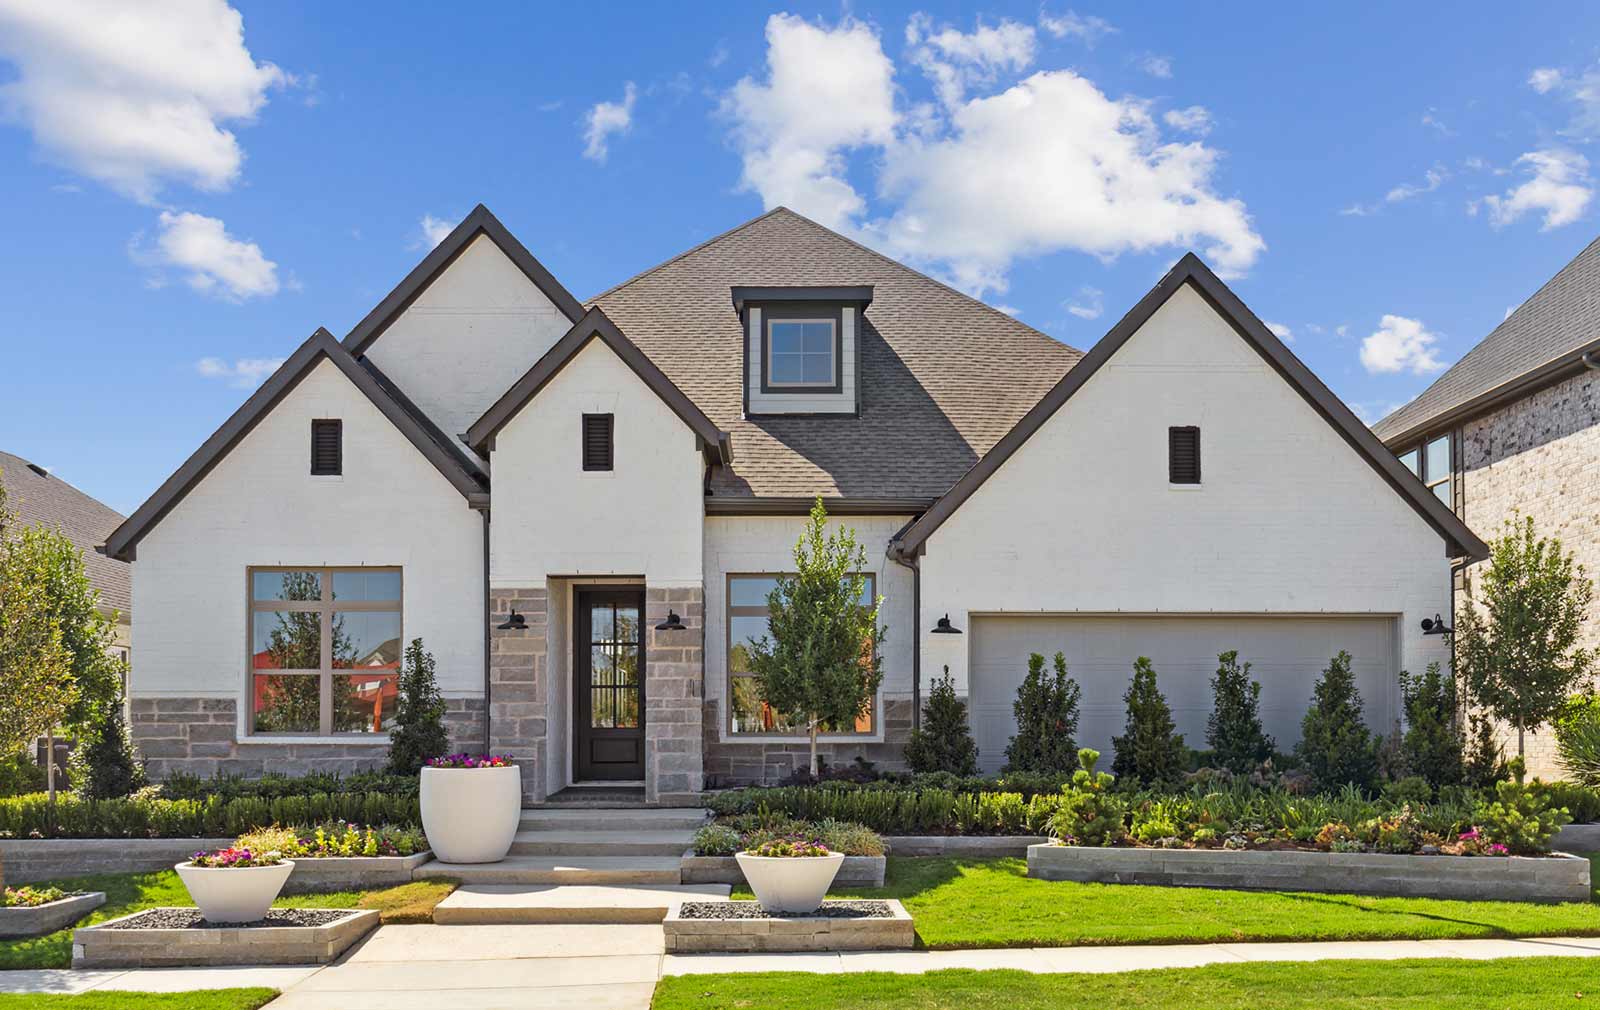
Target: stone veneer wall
x,y
758,762
674,671
518,684
1540,457
200,736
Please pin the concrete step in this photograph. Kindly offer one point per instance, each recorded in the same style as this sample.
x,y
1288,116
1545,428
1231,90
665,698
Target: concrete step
x,y
637,819
560,870
602,843
502,904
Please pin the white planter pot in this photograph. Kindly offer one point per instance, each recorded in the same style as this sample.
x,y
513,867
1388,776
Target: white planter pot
x,y
234,894
470,815
790,883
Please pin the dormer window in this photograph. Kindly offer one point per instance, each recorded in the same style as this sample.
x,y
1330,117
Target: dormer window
x,y
802,348
802,353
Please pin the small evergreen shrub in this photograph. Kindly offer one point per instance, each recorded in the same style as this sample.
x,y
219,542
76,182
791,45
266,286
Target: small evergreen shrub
x,y
1335,744
419,734
943,743
1046,713
1149,751
1233,730
1483,762
104,765
1432,746
1090,813
1519,817
1578,738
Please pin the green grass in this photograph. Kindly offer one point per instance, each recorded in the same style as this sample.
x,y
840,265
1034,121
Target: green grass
x,y
210,999
960,903
1508,984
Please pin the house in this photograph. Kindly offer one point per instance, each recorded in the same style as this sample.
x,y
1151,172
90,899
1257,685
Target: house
x,y
580,506
1513,428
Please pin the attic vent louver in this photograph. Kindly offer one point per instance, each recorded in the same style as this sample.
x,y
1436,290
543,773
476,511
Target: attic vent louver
x,y
597,441
1183,455
327,447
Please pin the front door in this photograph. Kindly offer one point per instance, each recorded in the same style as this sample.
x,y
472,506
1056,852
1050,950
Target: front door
x,y
608,685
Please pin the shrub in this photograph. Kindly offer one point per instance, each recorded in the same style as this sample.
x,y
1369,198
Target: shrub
x,y
1335,744
1046,713
1582,802
943,743
851,839
1483,764
1149,751
1519,817
147,816
1578,738
1090,813
1432,746
104,764
181,785
716,840
419,732
1233,730
19,774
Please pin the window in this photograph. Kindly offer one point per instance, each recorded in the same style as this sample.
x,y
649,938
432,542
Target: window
x,y
747,623
327,448
1433,462
1412,461
1183,455
597,441
324,650
801,353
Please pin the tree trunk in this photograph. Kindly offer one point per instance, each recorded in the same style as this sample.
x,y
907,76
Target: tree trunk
x,y
50,766
814,768
1519,739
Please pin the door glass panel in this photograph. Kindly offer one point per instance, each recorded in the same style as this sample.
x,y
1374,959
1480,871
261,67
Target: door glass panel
x,y
627,665
601,624
627,624
601,672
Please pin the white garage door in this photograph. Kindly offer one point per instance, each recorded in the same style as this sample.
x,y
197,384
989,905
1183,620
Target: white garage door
x,y
1286,656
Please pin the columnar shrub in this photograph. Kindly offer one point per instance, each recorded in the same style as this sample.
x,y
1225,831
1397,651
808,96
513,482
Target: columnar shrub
x,y
943,743
1046,712
1432,746
1335,744
419,732
1150,750
104,765
1233,730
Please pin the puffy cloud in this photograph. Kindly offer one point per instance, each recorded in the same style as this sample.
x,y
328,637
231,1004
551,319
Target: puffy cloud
x,y
1558,187
245,373
1073,25
1544,79
134,95
1195,119
1400,345
433,231
605,119
1280,331
213,261
956,60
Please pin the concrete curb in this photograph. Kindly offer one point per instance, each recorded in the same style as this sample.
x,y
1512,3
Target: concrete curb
x,y
42,919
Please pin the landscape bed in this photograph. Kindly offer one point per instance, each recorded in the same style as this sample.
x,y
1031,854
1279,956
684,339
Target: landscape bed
x,y
18,921
179,937
740,926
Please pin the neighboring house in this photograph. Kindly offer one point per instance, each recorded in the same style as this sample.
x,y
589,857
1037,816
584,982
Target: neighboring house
x,y
1514,428
535,485
43,500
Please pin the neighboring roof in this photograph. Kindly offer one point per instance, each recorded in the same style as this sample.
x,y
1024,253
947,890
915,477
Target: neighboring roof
x,y
595,326
1541,342
943,376
1459,540
455,465
480,221
39,499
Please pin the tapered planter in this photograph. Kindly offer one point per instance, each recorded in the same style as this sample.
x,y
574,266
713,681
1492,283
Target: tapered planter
x,y
794,884
234,893
470,815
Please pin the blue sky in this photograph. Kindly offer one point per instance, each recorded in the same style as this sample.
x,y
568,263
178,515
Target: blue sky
x,y
189,195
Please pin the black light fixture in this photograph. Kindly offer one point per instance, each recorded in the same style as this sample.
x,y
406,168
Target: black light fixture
x,y
1435,626
672,623
516,622
944,627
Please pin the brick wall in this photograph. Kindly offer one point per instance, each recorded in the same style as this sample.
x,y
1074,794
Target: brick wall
x,y
674,687
744,763
518,684
1540,457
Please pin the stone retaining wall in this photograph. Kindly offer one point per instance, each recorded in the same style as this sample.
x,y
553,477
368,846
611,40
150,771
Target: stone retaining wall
x,y
42,919
1514,878
855,871
102,947
789,933
1577,838
29,860
968,846
352,873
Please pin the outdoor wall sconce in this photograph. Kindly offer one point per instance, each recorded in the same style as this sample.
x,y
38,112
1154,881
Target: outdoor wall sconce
x,y
944,627
516,622
672,623
1435,626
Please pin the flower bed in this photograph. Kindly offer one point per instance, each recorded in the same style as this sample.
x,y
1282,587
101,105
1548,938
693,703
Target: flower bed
x,y
344,856
29,911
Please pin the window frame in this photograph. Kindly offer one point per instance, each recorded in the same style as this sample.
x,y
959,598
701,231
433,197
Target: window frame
x,y
1420,451
729,612
326,671
810,312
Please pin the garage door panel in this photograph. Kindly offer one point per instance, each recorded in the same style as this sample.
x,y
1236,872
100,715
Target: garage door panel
x,y
1286,654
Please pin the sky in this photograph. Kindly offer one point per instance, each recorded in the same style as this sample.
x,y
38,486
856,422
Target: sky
x,y
190,188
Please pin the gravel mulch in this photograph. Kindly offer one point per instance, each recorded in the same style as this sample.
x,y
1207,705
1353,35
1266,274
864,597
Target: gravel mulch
x,y
753,910
189,918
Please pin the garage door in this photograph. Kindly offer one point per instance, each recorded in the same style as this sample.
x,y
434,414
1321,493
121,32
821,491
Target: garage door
x,y
1286,655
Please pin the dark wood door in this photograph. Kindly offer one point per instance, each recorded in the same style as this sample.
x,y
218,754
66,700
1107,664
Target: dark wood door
x,y
608,685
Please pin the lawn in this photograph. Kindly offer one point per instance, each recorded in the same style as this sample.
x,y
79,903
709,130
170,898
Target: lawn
x,y
130,892
960,903
1508,984
211,999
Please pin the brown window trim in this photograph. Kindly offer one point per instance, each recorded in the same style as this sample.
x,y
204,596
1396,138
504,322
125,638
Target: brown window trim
x,y
1452,477
802,311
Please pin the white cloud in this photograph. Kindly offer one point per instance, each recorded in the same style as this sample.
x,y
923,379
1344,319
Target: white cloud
x,y
1280,331
1401,345
213,261
1156,66
1195,119
605,119
1072,25
955,60
1558,187
245,373
1372,411
1581,89
433,231
1431,118
1432,179
134,95
1089,304
1544,79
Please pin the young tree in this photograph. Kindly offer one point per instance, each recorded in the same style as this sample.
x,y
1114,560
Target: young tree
x,y
104,764
1516,642
1432,744
1150,750
419,732
944,741
1233,730
820,664
1046,712
1335,744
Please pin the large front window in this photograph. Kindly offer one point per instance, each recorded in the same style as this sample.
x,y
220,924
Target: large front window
x,y
324,650
747,623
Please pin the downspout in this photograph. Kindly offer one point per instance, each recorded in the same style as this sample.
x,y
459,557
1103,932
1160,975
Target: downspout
x,y
488,622
916,632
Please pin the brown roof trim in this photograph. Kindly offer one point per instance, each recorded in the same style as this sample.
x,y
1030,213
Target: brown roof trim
x,y
859,295
1529,382
594,324
1459,540
799,506
321,344
480,221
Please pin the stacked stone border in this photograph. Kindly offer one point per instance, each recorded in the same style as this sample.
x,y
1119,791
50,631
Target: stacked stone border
x,y
789,933
855,871
101,946
352,873
29,860
962,846
42,919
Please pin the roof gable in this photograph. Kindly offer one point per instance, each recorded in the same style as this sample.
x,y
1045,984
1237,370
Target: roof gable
x,y
1191,271
595,326
463,473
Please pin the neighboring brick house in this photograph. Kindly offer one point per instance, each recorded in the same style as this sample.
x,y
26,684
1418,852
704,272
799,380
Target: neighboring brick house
x,y
1514,428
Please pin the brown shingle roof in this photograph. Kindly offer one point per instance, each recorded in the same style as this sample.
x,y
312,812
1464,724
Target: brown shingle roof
x,y
943,376
43,500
